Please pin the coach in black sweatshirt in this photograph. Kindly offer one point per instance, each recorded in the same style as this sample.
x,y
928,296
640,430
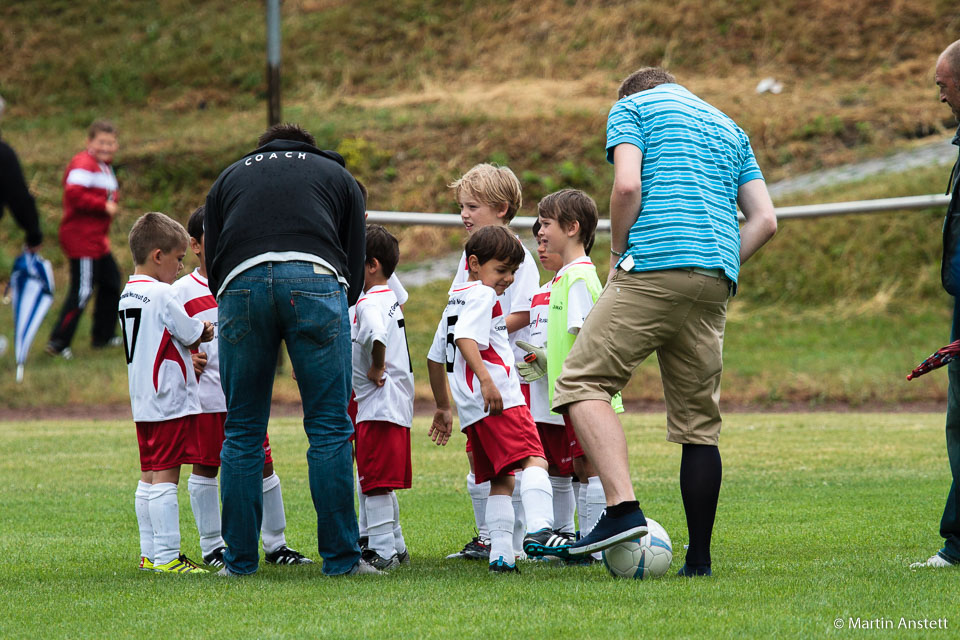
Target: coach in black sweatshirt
x,y
284,240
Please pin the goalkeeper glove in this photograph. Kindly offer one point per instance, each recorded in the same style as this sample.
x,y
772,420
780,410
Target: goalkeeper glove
x,y
534,365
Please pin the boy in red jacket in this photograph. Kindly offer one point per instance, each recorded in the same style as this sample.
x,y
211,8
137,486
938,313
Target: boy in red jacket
x,y
89,206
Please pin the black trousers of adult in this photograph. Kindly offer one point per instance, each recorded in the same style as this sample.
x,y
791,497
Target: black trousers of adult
x,y
87,274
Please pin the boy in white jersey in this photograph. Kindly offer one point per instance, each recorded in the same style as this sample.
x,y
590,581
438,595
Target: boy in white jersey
x,y
550,426
472,348
489,195
568,222
157,337
383,384
195,296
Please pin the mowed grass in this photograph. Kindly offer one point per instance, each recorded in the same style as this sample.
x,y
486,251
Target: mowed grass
x,y
820,514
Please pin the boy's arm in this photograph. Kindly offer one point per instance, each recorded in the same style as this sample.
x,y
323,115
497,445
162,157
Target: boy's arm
x,y
442,425
379,365
492,401
372,337
518,320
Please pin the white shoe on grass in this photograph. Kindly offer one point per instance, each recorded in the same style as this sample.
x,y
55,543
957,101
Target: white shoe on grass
x,y
935,561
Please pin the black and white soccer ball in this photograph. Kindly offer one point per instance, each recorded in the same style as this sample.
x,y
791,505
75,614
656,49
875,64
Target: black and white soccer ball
x,y
646,557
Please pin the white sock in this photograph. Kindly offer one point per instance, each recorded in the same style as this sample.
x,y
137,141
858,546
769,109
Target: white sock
x,y
563,505
595,502
205,503
380,525
499,520
361,509
141,505
165,518
519,518
583,515
478,495
274,519
537,499
398,540
576,497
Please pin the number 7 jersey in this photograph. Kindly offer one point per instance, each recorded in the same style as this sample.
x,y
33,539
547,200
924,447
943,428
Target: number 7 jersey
x,y
155,330
474,312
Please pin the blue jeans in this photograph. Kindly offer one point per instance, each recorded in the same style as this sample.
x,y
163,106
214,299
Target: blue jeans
x,y
265,304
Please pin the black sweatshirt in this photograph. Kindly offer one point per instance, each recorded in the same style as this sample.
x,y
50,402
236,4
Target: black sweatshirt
x,y
286,196
14,194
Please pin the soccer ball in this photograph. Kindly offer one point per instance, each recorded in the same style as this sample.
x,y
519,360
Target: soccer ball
x,y
646,557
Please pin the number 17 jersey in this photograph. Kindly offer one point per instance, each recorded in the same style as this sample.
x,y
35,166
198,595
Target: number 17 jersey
x,y
155,329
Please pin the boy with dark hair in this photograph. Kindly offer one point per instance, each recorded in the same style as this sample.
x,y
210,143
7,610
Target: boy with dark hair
x,y
157,336
471,346
383,383
568,222
89,206
195,296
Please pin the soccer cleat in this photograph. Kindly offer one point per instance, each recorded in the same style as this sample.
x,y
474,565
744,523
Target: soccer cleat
x,y
476,549
215,557
66,353
363,568
364,542
286,555
180,564
226,573
935,561
608,532
546,542
380,563
499,566
145,564
404,557
686,571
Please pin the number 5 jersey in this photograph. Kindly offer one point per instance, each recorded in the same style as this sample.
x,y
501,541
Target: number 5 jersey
x,y
155,331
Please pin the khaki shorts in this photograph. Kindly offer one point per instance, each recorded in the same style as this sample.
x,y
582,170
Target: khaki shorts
x,y
679,314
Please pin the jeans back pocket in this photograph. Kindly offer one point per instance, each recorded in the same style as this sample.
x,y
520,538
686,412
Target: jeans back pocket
x,y
233,315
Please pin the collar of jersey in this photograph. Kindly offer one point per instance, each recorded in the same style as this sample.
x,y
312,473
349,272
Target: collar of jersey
x,y
464,286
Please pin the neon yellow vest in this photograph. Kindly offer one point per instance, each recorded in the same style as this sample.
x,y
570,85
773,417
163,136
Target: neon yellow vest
x,y
559,340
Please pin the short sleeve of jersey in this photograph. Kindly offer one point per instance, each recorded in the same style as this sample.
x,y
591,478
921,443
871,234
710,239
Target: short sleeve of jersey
x,y
438,348
370,325
395,285
624,125
579,303
526,282
749,170
185,329
475,318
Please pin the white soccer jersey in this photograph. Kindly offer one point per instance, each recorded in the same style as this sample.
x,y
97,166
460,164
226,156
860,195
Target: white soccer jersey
x,y
377,318
475,312
194,294
537,336
155,329
518,295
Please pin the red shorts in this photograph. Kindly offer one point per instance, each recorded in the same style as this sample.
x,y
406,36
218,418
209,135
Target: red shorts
x,y
383,456
352,409
210,439
556,445
575,449
500,442
168,443
525,390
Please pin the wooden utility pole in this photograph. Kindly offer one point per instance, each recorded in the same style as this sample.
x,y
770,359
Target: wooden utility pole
x,y
273,62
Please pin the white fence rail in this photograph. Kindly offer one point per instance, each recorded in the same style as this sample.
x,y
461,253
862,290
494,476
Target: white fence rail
x,y
783,213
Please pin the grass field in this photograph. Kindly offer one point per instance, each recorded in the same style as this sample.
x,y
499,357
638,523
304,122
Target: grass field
x,y
820,514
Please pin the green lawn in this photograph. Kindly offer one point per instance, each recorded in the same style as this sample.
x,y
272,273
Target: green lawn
x,y
820,514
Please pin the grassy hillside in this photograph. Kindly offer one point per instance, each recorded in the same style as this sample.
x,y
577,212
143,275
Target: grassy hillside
x,y
413,93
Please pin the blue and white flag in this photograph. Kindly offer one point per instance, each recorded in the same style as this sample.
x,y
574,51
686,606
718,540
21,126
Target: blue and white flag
x,y
31,288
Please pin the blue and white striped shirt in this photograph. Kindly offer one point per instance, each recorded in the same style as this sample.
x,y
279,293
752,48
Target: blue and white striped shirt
x,y
694,160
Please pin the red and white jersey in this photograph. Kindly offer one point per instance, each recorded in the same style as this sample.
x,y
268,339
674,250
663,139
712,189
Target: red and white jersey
x,y
517,297
475,312
194,294
87,186
377,317
537,336
579,300
155,329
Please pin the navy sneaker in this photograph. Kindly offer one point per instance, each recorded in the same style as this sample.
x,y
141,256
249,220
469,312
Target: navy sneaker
x,y
686,571
608,532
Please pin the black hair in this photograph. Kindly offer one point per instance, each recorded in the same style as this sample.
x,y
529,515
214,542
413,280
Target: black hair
x,y
384,247
495,242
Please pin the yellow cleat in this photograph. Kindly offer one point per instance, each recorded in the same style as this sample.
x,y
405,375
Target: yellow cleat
x,y
145,564
180,564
